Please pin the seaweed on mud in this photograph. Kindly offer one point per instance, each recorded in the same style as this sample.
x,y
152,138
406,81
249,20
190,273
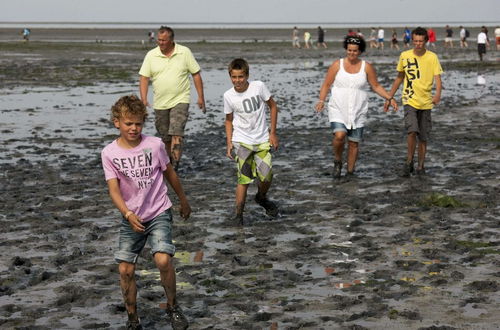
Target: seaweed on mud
x,y
441,200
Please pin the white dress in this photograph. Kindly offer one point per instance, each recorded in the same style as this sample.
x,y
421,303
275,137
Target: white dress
x,y
348,102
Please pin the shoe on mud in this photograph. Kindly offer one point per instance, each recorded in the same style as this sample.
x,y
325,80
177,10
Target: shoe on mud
x,y
407,169
134,325
177,320
420,171
271,208
337,169
350,176
238,219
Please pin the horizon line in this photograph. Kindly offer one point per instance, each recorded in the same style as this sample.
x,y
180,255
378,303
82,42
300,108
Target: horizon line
x,y
240,23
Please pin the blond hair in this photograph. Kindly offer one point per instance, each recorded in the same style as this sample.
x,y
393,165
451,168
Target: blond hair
x,y
128,105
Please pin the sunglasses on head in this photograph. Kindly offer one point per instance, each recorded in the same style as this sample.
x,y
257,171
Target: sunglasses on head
x,y
353,41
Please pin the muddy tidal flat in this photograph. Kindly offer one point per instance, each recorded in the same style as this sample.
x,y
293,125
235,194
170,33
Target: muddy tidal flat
x,y
374,252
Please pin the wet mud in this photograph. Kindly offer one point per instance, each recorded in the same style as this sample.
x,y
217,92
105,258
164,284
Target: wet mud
x,y
373,252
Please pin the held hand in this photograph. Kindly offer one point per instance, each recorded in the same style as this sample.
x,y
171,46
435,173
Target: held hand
x,y
274,141
394,105
185,210
135,223
386,105
201,104
229,150
319,106
146,103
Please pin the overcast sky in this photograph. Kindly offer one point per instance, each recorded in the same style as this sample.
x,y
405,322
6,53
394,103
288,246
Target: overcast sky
x,y
250,11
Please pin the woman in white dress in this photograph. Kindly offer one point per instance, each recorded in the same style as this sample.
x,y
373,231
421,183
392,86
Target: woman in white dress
x,y
348,102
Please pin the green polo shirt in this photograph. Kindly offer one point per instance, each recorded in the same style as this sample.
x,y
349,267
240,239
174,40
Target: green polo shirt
x,y
170,75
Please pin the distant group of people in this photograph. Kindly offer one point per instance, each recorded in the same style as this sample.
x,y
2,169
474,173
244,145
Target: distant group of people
x,y
377,38
307,39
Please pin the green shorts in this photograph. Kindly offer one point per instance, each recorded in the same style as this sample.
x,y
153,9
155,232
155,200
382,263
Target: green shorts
x,y
172,121
253,161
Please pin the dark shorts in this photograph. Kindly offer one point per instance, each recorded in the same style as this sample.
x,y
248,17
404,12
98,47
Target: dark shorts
x,y
418,121
172,121
481,48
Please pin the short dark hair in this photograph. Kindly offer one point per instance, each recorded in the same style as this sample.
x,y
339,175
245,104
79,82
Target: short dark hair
x,y
420,31
239,64
128,105
355,40
168,29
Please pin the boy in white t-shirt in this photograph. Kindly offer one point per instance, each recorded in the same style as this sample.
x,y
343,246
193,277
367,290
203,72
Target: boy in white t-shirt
x,y
135,166
247,133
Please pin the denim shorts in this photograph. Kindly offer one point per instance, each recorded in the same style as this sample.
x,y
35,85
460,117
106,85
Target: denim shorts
x,y
354,135
158,234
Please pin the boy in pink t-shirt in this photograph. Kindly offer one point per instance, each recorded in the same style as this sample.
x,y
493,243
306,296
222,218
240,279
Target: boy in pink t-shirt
x,y
134,166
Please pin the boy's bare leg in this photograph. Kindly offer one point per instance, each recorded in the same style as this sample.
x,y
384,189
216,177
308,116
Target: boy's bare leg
x,y
411,142
352,155
129,289
263,188
422,149
167,276
261,199
241,196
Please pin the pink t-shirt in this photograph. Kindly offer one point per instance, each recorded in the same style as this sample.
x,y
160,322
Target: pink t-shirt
x,y
140,175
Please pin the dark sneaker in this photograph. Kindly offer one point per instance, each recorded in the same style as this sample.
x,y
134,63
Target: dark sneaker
x,y
350,176
177,320
238,218
337,168
270,206
420,171
407,169
134,325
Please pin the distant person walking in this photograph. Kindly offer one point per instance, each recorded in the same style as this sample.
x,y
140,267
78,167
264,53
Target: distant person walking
x,y
463,37
169,66
307,40
295,38
482,42
497,37
373,38
407,37
419,69
348,104
151,36
431,38
448,40
394,40
321,38
26,34
380,38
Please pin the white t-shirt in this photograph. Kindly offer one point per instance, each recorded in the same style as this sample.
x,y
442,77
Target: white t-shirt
x,y
249,113
481,38
380,34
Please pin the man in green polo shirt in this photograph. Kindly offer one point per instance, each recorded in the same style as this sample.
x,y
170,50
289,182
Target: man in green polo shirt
x,y
169,66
